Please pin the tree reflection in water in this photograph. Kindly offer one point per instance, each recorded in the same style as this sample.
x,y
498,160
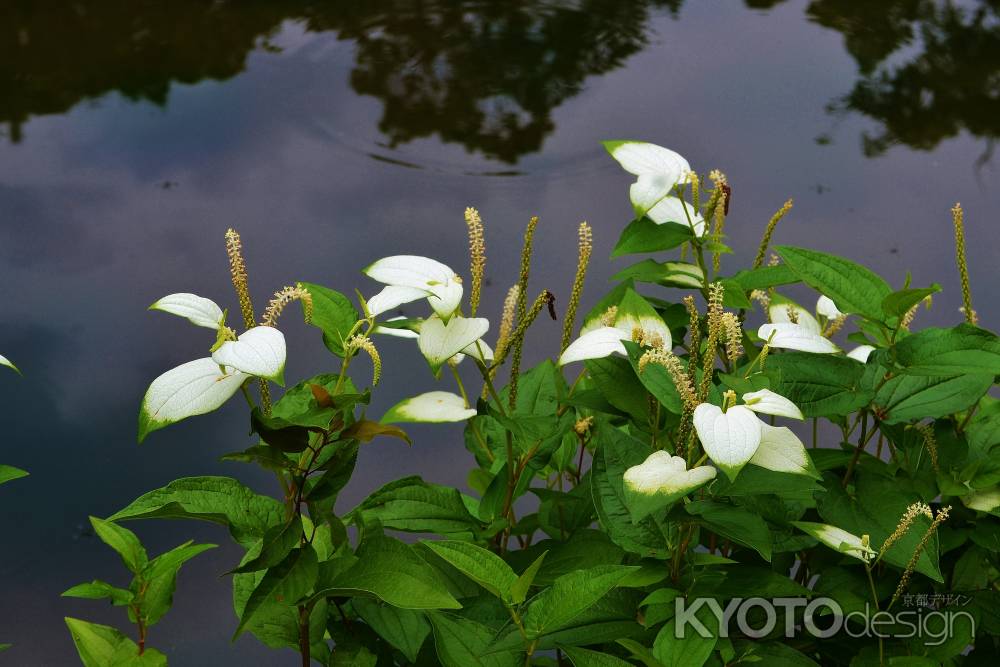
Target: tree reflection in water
x,y
485,74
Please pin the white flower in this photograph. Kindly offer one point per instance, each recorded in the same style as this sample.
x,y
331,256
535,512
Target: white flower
x,y
411,277
259,351
198,310
632,315
659,481
730,438
674,210
837,539
827,308
432,407
439,342
767,402
795,337
658,169
861,353
194,388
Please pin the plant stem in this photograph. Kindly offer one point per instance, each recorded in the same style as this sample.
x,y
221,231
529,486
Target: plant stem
x,y
304,635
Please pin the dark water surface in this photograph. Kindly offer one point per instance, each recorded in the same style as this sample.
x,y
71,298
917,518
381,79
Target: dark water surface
x,y
330,134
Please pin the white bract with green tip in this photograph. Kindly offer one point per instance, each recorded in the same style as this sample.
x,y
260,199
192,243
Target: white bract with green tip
x,y
795,337
781,450
767,402
431,407
837,539
730,438
660,481
861,353
411,277
674,210
194,388
4,361
259,351
658,169
827,308
598,340
439,342
196,309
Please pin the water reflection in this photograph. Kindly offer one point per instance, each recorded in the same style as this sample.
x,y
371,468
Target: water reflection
x,y
485,75
480,74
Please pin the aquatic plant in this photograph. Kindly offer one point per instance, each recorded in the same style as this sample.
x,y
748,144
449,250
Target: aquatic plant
x,y
654,509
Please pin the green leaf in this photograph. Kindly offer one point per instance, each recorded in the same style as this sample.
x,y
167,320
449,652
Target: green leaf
x,y
278,432
462,642
655,378
765,277
900,301
100,590
482,566
946,352
102,645
286,582
8,473
519,591
582,657
644,235
737,524
217,499
277,542
122,540
337,473
411,504
668,274
821,385
391,571
875,510
571,595
853,288
332,313
618,383
160,579
366,430
403,628
617,452
300,405
691,650
910,397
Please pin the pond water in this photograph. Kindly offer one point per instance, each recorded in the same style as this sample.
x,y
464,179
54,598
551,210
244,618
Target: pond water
x,y
133,133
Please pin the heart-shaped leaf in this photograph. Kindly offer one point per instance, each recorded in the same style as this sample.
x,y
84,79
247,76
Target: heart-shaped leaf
x,y
730,438
660,481
259,351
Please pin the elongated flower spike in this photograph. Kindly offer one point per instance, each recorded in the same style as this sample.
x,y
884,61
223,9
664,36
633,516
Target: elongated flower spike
x,y
958,220
238,273
941,517
282,298
769,231
517,343
477,256
673,365
930,443
586,245
525,271
905,521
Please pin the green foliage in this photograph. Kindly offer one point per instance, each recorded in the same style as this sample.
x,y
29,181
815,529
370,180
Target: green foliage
x,y
595,511
148,598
